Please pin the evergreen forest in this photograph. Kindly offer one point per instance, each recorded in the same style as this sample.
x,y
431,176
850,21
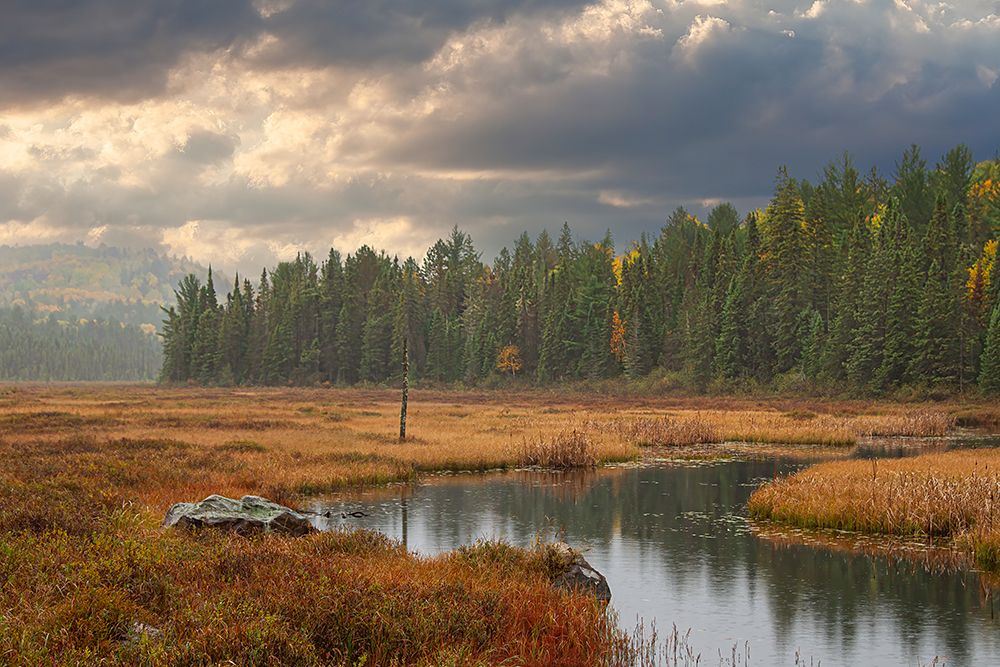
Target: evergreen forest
x,y
93,350
856,283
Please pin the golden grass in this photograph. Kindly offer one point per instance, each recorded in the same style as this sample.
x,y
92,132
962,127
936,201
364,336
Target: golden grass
x,y
331,598
89,470
796,427
568,449
951,494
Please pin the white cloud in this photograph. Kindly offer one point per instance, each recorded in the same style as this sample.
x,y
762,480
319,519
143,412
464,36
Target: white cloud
x,y
622,200
14,232
701,30
400,234
815,10
987,75
208,242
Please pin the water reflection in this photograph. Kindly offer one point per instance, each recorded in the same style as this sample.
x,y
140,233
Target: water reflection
x,y
675,545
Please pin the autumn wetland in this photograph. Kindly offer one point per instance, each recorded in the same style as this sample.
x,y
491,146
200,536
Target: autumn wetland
x,y
440,532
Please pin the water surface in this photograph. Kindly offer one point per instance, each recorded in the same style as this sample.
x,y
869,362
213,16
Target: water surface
x,y
674,542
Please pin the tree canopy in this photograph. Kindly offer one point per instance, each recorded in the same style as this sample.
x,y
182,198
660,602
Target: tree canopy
x,y
852,282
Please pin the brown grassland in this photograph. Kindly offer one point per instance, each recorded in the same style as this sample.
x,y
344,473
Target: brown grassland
x,y
941,494
88,471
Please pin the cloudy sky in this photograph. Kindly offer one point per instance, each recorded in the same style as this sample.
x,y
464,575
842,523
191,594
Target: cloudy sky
x,y
242,131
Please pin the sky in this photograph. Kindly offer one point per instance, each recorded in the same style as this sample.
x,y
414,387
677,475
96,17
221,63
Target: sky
x,y
241,132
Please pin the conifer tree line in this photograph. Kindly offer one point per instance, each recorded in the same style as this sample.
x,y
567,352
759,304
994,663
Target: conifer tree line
x,y
854,282
89,350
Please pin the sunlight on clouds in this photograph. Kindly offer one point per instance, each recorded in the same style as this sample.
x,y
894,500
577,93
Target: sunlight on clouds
x,y
621,199
247,152
14,232
701,30
815,10
400,234
207,241
601,21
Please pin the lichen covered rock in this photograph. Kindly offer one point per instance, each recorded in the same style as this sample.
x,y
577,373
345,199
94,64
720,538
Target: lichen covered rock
x,y
249,514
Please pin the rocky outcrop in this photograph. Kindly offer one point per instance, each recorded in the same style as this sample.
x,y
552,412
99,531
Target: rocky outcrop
x,y
576,574
249,514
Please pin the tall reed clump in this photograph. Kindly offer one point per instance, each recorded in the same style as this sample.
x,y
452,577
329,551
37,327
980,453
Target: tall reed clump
x,y
667,431
949,494
917,423
566,449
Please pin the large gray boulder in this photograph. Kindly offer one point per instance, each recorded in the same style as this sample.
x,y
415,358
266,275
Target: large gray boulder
x,y
576,574
249,514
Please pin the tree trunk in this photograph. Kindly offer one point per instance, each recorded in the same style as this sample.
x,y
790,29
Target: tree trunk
x,y
406,387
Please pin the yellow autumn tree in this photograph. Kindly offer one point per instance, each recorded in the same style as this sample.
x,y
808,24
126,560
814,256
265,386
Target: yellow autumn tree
x,y
509,360
981,277
617,337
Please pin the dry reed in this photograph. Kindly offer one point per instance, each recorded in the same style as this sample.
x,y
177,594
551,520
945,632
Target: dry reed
x,y
567,449
948,494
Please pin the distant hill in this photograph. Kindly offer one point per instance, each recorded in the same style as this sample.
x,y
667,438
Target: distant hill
x,y
74,282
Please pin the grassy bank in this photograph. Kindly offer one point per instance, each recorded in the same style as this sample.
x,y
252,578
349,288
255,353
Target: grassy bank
x,y
89,471
332,598
950,494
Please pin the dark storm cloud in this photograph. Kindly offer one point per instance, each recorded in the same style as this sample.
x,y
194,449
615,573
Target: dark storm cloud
x,y
754,99
207,147
365,32
124,49
121,49
389,122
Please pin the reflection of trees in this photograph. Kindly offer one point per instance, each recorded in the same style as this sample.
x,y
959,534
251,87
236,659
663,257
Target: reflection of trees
x,y
659,517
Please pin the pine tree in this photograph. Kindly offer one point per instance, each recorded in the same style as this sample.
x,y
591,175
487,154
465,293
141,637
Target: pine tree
x,y
989,370
847,303
812,347
913,189
936,349
331,302
786,272
903,292
730,351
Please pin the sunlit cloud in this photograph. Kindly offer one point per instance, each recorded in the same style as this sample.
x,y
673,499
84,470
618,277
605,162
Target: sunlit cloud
x,y
248,131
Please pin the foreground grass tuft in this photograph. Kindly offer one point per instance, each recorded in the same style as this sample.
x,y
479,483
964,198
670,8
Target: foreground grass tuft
x,y
331,598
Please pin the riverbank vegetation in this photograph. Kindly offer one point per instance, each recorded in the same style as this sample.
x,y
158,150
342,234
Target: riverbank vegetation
x,y
951,494
87,575
89,470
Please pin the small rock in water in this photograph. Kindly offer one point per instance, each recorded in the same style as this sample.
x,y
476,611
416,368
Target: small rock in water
x,y
249,514
579,575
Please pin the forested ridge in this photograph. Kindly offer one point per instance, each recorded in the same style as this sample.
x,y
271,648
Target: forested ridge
x,y
52,350
94,283
855,282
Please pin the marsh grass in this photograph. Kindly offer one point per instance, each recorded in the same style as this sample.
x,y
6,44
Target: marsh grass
x,y
666,431
344,597
795,427
89,470
567,449
946,494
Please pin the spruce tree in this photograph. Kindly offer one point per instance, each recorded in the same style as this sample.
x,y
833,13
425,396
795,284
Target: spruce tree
x,y
786,271
936,344
903,293
730,351
989,368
